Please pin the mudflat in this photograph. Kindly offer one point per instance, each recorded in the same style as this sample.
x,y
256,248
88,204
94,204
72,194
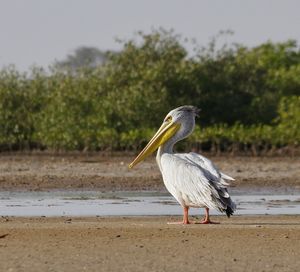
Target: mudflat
x,y
241,243
110,172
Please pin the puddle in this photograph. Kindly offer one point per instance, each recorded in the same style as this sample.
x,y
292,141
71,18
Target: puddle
x,y
86,203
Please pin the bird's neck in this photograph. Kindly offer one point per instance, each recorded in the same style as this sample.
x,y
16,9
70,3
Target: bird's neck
x,y
185,130
165,148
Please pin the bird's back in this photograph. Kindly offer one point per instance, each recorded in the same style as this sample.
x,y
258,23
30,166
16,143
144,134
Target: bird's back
x,y
196,182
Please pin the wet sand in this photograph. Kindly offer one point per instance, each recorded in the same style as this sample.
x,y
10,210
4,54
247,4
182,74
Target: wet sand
x,y
241,243
110,173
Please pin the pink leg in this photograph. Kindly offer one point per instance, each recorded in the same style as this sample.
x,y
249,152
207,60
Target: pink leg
x,y
206,220
185,217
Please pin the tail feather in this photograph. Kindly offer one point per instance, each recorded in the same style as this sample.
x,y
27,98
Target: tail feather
x,y
229,211
224,176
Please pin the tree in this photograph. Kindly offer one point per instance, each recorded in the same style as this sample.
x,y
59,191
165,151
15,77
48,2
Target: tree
x,y
83,56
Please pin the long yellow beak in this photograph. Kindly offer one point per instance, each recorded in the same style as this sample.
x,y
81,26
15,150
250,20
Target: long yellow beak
x,y
165,132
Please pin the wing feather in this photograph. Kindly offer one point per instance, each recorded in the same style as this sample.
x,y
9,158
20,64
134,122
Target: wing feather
x,y
195,181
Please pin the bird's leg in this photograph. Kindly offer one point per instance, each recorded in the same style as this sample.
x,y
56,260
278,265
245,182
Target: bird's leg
x,y
185,217
206,220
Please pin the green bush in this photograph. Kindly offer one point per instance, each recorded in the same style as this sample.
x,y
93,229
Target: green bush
x,y
288,129
21,101
249,98
74,115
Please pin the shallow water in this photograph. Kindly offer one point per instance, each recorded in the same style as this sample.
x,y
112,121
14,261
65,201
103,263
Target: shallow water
x,y
87,203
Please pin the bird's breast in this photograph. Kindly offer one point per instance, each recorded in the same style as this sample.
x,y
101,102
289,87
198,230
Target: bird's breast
x,y
171,171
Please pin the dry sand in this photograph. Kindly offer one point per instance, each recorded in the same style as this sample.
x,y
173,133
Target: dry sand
x,y
109,173
241,243
257,243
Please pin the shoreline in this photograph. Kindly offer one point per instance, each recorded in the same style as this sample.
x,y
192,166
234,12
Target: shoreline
x,y
103,173
144,243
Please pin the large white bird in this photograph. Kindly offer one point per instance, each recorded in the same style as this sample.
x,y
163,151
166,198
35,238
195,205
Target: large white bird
x,y
192,179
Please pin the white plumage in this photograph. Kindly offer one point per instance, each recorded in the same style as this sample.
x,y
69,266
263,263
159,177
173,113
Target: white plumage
x,y
192,179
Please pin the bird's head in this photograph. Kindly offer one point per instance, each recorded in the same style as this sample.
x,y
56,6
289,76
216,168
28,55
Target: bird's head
x,y
183,114
180,121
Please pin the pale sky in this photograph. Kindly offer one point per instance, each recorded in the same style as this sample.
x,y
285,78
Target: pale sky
x,y
40,31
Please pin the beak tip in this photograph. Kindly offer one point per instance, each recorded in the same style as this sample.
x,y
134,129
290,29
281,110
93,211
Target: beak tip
x,y
130,166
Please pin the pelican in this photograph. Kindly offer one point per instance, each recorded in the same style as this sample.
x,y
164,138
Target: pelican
x,y
192,179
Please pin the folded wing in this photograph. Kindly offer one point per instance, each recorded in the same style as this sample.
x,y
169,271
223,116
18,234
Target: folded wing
x,y
197,180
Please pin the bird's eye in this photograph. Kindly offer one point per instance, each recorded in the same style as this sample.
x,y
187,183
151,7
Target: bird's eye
x,y
168,119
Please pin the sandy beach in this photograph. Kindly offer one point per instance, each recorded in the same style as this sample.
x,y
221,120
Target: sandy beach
x,y
144,243
248,243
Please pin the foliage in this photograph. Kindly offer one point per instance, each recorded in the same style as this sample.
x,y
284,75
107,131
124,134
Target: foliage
x,y
82,57
73,116
21,101
249,98
144,80
289,121
246,84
